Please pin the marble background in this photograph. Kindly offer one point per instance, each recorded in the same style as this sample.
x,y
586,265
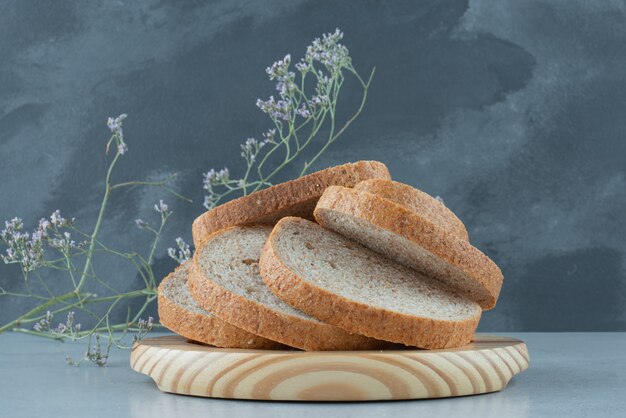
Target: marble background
x,y
514,112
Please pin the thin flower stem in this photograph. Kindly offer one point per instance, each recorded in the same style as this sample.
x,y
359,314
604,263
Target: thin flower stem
x,y
104,284
70,267
288,160
346,125
156,238
39,334
54,312
161,184
96,229
21,295
43,284
37,309
263,161
131,294
245,178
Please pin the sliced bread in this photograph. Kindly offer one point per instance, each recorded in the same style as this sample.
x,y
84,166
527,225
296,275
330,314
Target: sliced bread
x,y
182,315
425,205
293,198
343,283
225,280
411,239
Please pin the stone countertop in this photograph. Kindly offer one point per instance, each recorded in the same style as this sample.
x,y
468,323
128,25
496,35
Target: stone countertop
x,y
571,374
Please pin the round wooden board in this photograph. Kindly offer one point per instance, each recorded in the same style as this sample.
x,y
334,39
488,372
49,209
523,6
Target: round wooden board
x,y
179,366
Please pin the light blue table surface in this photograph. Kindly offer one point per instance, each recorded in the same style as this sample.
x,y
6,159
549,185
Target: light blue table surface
x,y
571,375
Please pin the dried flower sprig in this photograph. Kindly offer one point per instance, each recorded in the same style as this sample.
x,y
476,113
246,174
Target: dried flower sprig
x,y
51,247
182,254
304,110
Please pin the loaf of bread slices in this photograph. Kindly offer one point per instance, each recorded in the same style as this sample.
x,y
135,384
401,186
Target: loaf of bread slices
x,y
386,265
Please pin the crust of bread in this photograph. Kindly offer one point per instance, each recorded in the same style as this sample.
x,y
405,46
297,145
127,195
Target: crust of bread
x,y
261,320
293,198
207,329
417,201
357,317
399,220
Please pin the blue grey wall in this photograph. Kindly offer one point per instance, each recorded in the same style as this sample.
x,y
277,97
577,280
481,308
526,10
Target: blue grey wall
x,y
514,112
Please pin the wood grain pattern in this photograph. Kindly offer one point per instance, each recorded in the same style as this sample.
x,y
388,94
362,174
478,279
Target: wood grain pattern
x,y
179,366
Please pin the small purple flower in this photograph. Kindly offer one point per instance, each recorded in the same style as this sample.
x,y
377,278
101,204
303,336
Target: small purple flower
x,y
95,355
22,248
279,110
250,143
13,225
62,242
141,224
182,254
303,67
44,224
115,125
57,220
143,327
268,137
44,324
212,178
320,100
161,207
279,68
329,52
250,149
122,148
303,112
68,328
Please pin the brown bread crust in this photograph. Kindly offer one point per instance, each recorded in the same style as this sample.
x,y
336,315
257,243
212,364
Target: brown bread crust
x,y
293,198
417,201
355,316
207,329
478,269
261,320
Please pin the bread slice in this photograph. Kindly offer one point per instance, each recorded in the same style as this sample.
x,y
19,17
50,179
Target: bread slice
x,y
293,198
411,239
182,315
423,204
225,280
343,283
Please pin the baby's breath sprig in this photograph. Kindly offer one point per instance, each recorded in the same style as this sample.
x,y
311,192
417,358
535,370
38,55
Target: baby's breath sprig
x,y
304,110
57,245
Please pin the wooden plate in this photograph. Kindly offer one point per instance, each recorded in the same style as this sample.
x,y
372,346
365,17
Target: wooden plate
x,y
179,366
